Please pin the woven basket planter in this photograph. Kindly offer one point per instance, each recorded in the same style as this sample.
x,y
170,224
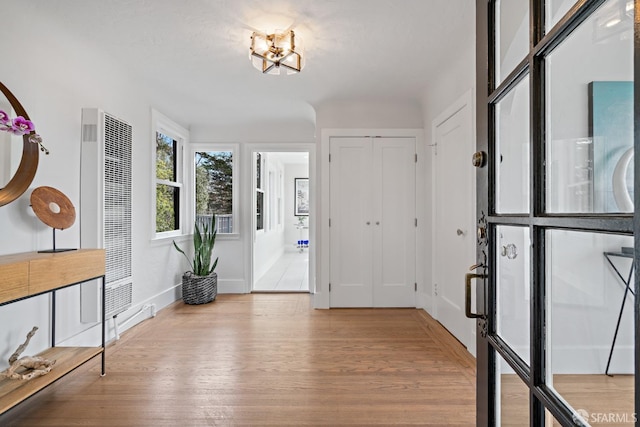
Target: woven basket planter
x,y
199,289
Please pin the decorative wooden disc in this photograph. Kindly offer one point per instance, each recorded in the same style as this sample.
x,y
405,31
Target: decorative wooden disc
x,y
53,208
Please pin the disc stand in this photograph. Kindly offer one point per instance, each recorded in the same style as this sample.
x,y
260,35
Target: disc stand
x,y
54,250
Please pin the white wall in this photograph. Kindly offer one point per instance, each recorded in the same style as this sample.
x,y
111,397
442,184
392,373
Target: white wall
x,y
54,80
454,80
368,115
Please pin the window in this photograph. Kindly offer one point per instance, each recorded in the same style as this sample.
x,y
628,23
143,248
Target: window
x,y
259,194
168,206
214,188
272,200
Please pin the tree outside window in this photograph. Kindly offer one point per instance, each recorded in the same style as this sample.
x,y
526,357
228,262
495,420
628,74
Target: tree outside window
x,y
167,185
214,188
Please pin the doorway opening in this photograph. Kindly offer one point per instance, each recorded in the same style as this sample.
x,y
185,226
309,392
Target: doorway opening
x,y
281,221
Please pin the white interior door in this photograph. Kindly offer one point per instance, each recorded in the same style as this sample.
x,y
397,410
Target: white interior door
x,y
454,230
372,222
394,228
351,216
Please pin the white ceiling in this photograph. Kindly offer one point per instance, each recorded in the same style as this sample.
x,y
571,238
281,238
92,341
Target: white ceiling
x,y
192,55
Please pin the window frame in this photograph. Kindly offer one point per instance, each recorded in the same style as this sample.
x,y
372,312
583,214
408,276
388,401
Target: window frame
x,y
235,186
259,160
163,124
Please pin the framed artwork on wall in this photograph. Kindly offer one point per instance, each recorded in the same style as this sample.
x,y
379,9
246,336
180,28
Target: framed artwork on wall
x,y
611,127
301,189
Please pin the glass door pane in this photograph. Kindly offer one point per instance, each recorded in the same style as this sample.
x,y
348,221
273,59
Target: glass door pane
x,y
555,10
590,115
590,341
513,393
513,288
512,35
512,150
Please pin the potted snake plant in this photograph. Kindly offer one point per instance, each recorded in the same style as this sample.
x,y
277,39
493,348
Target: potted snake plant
x,y
200,284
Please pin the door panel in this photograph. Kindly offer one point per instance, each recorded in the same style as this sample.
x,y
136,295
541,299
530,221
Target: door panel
x,y
512,42
394,223
590,320
513,289
350,231
590,115
454,236
512,397
512,150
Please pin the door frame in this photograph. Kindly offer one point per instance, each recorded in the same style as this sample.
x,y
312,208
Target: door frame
x,y
249,177
323,272
467,99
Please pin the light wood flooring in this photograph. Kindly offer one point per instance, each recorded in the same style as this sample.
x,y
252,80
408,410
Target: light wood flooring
x,y
267,360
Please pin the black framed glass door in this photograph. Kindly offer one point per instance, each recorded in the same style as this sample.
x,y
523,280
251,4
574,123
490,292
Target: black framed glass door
x,y
556,289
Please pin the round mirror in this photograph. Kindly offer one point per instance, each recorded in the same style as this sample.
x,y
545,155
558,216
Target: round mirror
x,y
10,147
16,180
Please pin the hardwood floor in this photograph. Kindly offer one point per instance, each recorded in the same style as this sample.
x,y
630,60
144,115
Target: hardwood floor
x,y
268,359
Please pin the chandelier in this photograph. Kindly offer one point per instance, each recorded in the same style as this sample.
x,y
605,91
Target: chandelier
x,y
271,52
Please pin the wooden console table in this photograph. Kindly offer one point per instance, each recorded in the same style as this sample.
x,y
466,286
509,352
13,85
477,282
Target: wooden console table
x,y
30,274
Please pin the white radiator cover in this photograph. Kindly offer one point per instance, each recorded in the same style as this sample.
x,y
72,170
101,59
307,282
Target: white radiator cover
x,y
105,208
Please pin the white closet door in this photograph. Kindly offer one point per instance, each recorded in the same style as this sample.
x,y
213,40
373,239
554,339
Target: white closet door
x,y
373,234
394,229
350,231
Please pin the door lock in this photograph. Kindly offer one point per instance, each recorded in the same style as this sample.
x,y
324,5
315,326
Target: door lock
x,y
479,159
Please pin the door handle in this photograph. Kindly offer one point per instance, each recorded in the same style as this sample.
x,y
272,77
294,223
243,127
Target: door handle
x,y
467,294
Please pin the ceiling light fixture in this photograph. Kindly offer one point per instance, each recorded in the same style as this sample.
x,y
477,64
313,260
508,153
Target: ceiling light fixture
x,y
271,52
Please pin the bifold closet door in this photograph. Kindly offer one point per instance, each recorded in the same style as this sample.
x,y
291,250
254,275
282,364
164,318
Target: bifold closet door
x,y
351,238
394,222
372,186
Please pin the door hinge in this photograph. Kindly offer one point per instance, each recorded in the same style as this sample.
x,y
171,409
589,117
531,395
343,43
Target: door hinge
x,y
416,222
435,289
329,222
415,287
329,287
416,157
329,157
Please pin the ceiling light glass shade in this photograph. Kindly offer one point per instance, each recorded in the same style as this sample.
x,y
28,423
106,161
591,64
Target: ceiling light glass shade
x,y
271,52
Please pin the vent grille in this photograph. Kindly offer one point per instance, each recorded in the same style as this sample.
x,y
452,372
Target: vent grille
x,y
117,198
105,209
118,298
89,133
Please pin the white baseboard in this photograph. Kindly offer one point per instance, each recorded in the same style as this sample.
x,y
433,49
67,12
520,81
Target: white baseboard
x,y
93,334
232,286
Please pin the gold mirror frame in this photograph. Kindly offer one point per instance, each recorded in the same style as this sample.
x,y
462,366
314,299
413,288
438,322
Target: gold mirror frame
x,y
23,177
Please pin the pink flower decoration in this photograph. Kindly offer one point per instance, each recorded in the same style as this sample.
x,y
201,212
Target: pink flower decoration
x,y
21,126
4,118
